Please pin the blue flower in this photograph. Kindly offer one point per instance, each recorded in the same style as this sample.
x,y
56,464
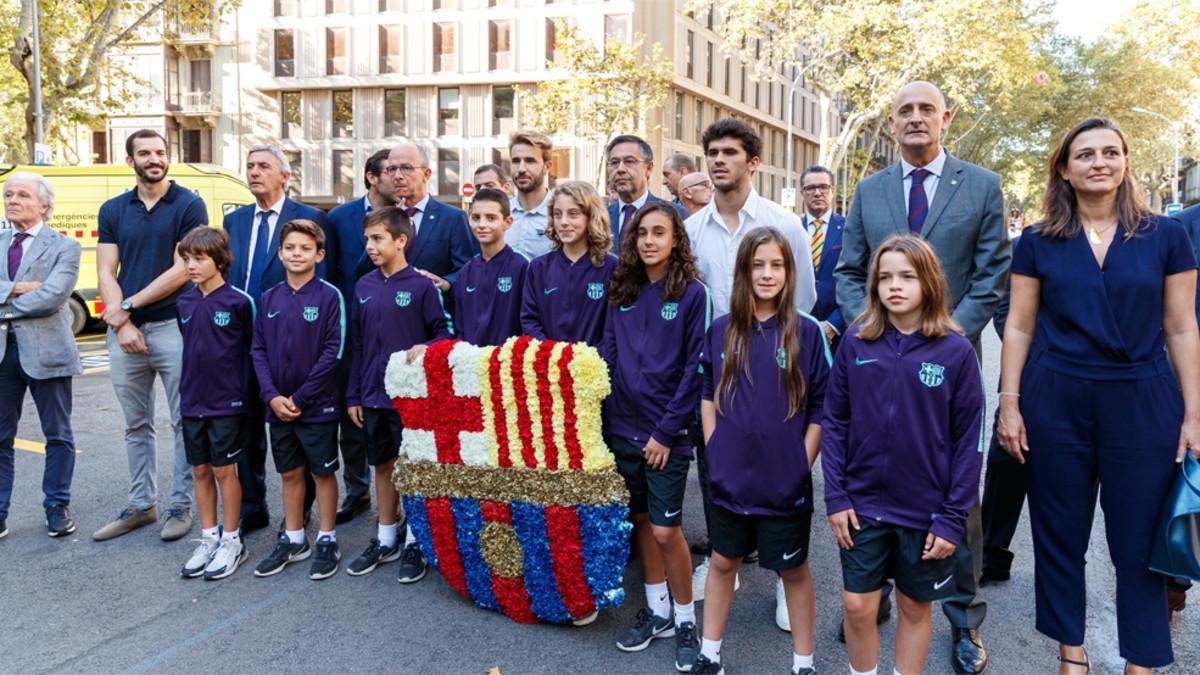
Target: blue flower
x,y
468,526
529,520
414,508
605,533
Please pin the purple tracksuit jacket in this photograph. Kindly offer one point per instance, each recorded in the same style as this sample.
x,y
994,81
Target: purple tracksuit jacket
x,y
902,436
566,301
757,462
487,298
217,330
298,341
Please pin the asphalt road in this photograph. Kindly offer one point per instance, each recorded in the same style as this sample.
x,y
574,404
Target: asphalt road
x,y
120,607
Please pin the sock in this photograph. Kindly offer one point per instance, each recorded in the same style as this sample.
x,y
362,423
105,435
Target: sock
x,y
232,535
387,535
211,532
658,600
710,649
332,534
896,672
801,661
409,538
685,613
863,672
295,536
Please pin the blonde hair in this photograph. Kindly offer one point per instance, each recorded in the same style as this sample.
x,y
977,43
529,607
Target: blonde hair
x,y
598,232
935,314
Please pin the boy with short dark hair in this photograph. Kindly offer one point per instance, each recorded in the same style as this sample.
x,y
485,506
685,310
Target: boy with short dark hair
x,y
396,309
298,341
487,295
216,321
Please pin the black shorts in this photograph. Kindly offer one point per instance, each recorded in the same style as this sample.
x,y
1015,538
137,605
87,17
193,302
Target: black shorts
x,y
381,431
218,441
781,541
889,551
297,444
659,493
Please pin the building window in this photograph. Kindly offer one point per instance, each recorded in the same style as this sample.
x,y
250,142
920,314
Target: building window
x,y
691,49
551,41
394,113
679,115
500,45
197,145
444,4
447,171
343,174
285,54
448,107
289,115
296,182
201,79
728,71
99,147
389,49
560,165
335,51
699,120
500,158
286,7
616,27
391,5
343,114
770,98
337,6
708,72
504,111
742,85
443,48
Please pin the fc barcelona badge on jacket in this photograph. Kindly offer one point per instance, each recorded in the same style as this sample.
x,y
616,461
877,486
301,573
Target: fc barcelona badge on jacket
x,y
403,298
221,318
670,310
932,374
595,291
504,284
311,313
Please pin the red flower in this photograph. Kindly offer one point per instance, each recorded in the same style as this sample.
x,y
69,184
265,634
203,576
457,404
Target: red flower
x,y
574,452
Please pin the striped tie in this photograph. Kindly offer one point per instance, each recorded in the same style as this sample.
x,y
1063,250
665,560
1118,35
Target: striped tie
x,y
817,241
918,203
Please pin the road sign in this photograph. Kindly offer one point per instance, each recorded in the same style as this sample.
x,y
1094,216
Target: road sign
x,y
41,154
468,190
788,198
1174,208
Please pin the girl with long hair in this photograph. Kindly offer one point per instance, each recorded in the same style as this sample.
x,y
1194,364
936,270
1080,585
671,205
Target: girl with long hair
x,y
765,367
901,450
1100,387
653,336
565,289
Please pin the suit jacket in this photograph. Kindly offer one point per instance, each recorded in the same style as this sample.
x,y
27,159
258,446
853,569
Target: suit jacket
x,y
965,226
614,217
827,308
1190,217
239,225
346,220
443,242
41,318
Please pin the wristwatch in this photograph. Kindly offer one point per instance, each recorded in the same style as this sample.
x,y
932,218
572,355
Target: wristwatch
x,y
127,305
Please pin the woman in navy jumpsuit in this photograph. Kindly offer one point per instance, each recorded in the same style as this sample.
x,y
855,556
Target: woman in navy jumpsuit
x,y
1102,321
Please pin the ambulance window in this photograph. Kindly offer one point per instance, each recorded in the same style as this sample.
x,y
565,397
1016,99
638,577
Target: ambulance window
x,y
227,208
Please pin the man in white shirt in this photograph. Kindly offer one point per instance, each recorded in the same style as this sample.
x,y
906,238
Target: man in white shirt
x,y
529,153
732,151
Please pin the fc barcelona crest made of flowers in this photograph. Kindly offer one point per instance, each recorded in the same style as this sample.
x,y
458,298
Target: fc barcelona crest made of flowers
x,y
506,480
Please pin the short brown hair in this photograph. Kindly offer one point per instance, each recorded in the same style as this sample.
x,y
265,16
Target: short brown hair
x,y
535,138
393,218
306,227
210,242
144,133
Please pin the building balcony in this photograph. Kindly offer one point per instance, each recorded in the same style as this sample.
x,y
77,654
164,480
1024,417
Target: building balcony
x,y
197,110
195,41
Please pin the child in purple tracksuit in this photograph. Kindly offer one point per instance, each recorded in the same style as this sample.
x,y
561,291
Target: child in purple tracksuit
x,y
765,367
901,450
298,341
653,335
565,289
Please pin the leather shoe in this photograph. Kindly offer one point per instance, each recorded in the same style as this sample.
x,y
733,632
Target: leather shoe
x,y
992,575
885,613
352,506
258,520
967,654
1176,601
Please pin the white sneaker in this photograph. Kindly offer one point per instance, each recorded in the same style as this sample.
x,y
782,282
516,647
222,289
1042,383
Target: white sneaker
x,y
201,557
229,555
700,579
781,612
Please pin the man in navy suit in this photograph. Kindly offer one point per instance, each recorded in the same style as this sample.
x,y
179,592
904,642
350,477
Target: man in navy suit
x,y
254,239
825,240
1190,217
630,163
442,241
352,262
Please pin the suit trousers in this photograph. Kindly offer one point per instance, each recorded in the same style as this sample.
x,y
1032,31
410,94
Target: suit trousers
x,y
1118,439
355,473
252,465
133,380
52,397
1003,499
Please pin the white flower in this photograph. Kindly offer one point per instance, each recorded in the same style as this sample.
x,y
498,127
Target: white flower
x,y
419,445
473,448
403,379
464,368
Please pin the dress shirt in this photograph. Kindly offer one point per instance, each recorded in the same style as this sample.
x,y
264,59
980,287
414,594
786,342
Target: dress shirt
x,y
33,232
931,181
528,232
419,215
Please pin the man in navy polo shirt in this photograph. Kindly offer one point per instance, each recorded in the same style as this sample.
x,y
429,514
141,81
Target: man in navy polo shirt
x,y
141,275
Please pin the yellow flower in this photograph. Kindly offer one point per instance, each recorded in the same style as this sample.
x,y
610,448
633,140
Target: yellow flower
x,y
589,375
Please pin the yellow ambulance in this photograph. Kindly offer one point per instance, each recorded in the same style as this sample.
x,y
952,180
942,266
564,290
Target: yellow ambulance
x,y
80,190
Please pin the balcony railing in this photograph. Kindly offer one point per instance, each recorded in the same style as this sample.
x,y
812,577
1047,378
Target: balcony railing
x,y
198,103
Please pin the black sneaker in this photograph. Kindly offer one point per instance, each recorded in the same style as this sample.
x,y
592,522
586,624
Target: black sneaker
x,y
58,521
412,565
647,627
3,529
284,554
375,555
325,562
687,646
703,666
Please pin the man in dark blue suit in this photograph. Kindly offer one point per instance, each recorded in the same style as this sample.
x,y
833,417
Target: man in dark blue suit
x,y
442,241
630,163
825,238
1190,217
254,239
350,258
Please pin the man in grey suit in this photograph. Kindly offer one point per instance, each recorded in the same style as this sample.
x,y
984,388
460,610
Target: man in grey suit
x,y
958,208
37,347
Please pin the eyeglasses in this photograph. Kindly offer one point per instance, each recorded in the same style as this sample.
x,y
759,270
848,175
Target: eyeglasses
x,y
628,162
814,189
404,169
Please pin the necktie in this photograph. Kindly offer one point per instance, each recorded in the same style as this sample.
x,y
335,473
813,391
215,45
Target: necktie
x,y
412,212
262,253
918,203
628,210
15,252
817,242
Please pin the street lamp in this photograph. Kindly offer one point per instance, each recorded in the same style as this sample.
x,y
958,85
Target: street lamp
x,y
1175,133
790,146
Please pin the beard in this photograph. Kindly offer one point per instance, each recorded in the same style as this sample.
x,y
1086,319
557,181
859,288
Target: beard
x,y
143,174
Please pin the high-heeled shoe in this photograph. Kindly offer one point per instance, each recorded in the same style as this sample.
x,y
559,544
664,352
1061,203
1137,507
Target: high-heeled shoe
x,y
1086,662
